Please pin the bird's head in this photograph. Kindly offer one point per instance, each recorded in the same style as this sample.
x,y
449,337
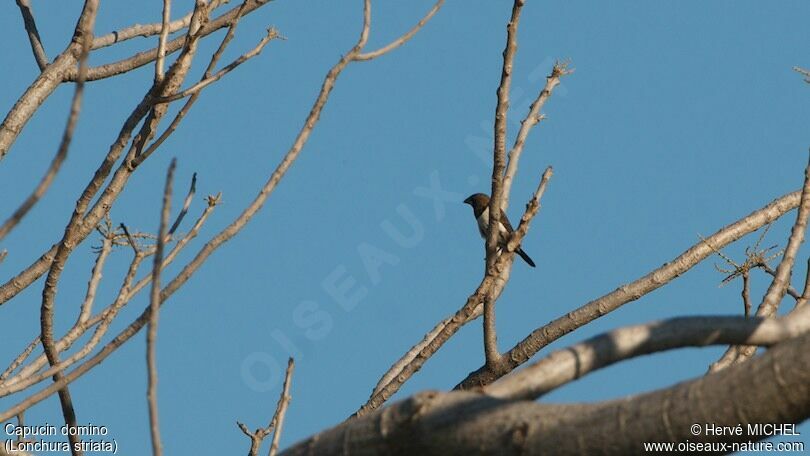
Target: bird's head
x,y
477,200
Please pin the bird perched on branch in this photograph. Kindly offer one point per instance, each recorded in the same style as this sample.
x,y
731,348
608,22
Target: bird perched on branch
x,y
480,207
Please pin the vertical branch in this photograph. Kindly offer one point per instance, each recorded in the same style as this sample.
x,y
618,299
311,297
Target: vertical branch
x,y
806,291
154,311
164,35
281,408
746,294
491,353
496,202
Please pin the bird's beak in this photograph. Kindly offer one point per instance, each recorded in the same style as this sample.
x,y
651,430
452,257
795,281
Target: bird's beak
x,y
468,200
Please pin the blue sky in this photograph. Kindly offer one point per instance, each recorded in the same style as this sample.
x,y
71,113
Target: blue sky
x,y
680,118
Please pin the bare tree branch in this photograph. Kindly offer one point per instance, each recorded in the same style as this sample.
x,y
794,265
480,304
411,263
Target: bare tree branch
x,y
659,277
83,35
271,34
164,35
298,144
281,408
806,291
781,281
25,378
402,39
497,199
33,34
532,118
290,157
154,307
803,72
566,365
139,30
143,58
461,422
190,102
491,354
20,359
186,204
276,423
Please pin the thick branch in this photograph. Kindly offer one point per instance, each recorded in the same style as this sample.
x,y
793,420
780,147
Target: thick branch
x,y
566,365
776,385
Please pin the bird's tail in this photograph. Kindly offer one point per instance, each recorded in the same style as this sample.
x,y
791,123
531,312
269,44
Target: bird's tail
x,y
525,257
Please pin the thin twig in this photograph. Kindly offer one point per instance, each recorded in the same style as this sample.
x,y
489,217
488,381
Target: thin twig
x,y
95,280
806,291
803,72
402,39
272,33
190,102
532,118
20,359
276,423
33,34
130,239
290,157
186,204
154,312
281,408
746,294
790,290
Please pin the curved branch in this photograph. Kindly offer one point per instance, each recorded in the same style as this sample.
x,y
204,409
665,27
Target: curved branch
x,y
566,365
403,39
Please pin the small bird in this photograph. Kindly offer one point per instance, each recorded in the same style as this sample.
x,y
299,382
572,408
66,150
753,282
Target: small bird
x,y
480,207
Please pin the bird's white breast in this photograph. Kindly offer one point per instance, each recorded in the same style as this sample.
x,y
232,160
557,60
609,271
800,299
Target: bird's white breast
x,y
483,224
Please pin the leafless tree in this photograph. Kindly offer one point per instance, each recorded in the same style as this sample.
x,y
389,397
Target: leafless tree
x,y
491,411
